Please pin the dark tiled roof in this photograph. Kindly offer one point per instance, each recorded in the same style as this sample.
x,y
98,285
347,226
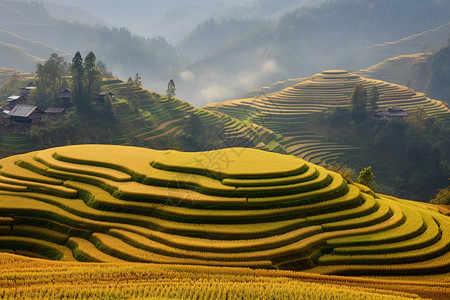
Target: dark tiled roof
x,y
64,89
54,110
24,111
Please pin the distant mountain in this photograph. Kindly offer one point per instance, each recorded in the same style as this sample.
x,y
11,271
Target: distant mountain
x,y
16,57
420,42
305,41
152,18
399,70
29,34
70,12
35,48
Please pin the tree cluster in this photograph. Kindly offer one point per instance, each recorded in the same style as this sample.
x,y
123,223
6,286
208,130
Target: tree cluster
x,y
86,79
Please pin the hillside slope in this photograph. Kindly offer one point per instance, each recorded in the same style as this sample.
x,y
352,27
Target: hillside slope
x,y
420,42
286,111
232,207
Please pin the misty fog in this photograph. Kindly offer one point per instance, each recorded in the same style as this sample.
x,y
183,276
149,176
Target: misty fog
x,y
218,50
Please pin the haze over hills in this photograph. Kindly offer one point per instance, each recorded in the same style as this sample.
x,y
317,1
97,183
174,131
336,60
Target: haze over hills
x,y
304,42
248,54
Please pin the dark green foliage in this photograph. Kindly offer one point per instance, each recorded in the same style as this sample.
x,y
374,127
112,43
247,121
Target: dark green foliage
x,y
194,133
137,81
442,197
410,157
367,178
92,77
77,72
50,80
96,126
358,103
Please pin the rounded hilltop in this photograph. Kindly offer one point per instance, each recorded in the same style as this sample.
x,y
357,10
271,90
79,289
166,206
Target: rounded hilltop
x,y
335,72
229,207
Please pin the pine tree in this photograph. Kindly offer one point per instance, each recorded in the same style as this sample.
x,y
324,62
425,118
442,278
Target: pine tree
x,y
77,76
171,88
374,96
93,77
137,80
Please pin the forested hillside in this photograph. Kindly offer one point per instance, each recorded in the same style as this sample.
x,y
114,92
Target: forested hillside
x,y
28,28
308,40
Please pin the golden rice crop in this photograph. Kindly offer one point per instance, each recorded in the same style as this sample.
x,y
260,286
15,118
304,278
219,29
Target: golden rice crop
x,y
47,157
232,162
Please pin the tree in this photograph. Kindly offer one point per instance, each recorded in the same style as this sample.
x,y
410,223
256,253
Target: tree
x,y
77,76
358,102
367,178
101,66
49,80
92,77
137,80
442,197
171,88
130,95
194,134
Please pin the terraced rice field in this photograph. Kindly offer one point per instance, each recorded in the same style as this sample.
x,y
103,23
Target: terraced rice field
x,y
26,278
162,117
234,207
285,111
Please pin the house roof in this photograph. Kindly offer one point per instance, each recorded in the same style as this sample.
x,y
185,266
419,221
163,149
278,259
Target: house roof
x,y
4,114
24,111
12,98
395,112
105,93
54,110
65,89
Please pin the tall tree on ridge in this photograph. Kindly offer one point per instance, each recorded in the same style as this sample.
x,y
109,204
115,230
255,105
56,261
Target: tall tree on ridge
x,y
77,76
93,77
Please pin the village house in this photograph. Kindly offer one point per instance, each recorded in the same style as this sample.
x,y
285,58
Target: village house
x,y
66,96
14,100
23,116
27,90
54,113
102,95
4,121
392,113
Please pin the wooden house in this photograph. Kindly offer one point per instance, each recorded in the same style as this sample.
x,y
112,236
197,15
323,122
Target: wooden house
x,y
66,96
54,113
26,91
22,117
14,100
4,121
103,95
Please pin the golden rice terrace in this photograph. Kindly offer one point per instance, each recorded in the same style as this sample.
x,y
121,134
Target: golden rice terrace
x,y
232,207
285,112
